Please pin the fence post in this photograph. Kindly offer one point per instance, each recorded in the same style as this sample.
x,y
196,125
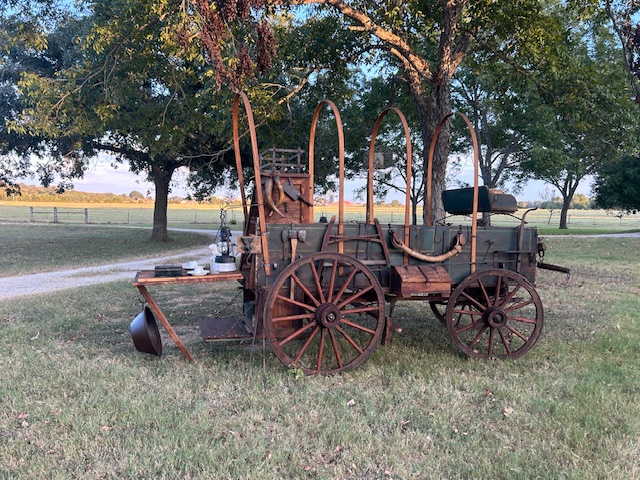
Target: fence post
x,y
55,214
31,219
86,216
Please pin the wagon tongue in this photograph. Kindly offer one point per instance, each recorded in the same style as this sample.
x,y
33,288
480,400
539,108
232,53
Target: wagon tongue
x,y
555,268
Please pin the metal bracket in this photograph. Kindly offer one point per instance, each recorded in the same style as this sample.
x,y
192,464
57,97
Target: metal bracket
x,y
250,244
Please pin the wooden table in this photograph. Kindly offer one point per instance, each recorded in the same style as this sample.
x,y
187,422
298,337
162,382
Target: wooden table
x,y
145,278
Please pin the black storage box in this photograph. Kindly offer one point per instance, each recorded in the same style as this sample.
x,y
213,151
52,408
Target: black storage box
x,y
168,271
460,201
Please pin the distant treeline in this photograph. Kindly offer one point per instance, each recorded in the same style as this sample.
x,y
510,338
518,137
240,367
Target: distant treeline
x,y
33,193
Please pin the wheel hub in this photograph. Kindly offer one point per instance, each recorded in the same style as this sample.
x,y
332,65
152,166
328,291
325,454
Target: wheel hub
x,y
328,315
495,317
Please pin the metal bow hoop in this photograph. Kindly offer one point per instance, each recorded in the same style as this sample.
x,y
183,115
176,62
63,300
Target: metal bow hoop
x,y
256,167
476,162
407,135
312,141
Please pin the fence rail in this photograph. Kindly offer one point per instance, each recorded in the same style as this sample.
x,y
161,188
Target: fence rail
x,y
209,216
55,213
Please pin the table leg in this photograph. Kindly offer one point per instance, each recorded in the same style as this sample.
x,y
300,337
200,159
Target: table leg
x,y
165,323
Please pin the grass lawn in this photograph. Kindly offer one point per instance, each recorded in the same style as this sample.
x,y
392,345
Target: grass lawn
x,y
32,248
77,400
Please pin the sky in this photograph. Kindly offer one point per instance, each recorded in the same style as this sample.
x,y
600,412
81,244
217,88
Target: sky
x,y
103,178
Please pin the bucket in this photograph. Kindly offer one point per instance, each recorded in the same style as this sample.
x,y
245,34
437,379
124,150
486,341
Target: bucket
x,y
145,333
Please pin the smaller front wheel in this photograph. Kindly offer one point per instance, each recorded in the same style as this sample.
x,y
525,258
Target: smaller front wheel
x,y
494,313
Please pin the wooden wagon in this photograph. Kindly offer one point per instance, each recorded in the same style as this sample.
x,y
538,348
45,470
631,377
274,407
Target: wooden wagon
x,y
324,293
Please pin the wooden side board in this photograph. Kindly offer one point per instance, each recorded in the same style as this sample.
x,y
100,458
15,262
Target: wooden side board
x,y
147,277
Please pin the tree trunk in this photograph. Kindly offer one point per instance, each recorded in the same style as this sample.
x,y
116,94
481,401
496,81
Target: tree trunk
x,y
566,201
568,192
431,109
161,176
440,106
414,212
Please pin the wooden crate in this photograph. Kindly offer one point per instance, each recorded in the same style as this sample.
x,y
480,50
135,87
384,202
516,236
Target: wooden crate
x,y
407,280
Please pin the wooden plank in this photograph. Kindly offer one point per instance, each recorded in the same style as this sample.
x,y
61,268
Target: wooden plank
x,y
147,277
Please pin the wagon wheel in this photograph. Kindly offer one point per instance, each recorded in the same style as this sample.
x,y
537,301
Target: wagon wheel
x,y
334,309
494,313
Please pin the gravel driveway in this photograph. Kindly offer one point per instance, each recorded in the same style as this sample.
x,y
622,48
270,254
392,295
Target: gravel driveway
x,y
18,286
11,287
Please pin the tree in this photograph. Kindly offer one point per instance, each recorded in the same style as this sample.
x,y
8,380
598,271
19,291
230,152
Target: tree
x,y
616,185
136,195
549,200
582,115
133,91
425,42
622,14
484,89
23,38
581,202
137,89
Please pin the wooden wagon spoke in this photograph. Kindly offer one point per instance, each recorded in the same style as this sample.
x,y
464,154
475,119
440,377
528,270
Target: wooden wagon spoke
x,y
474,301
490,347
510,296
297,333
358,294
292,301
336,350
359,327
519,306
484,292
516,333
305,290
316,279
496,299
345,284
505,342
332,279
306,345
462,311
471,326
351,311
320,350
523,320
349,339
289,318
479,335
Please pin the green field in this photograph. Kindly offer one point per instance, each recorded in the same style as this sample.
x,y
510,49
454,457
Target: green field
x,y
77,400
208,216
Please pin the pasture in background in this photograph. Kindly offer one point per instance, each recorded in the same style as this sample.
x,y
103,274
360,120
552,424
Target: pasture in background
x,y
207,216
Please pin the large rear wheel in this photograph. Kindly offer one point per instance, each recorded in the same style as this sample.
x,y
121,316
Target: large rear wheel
x,y
333,312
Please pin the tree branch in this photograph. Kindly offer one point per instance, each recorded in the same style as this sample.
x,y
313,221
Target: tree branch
x,y
398,47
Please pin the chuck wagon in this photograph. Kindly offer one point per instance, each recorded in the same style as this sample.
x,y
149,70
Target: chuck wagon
x,y
323,293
